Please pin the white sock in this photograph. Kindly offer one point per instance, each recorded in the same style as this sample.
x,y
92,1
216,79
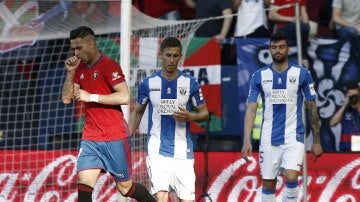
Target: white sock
x,y
268,195
291,192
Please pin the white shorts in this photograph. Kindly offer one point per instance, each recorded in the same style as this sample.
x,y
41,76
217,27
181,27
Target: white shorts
x,y
289,156
167,172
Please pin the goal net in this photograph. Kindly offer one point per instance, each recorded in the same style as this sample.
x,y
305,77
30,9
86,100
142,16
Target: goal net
x,y
39,135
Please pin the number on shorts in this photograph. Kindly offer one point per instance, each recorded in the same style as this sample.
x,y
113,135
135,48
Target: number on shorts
x,y
261,157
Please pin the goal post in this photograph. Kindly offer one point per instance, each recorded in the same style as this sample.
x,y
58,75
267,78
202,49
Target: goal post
x,y
125,26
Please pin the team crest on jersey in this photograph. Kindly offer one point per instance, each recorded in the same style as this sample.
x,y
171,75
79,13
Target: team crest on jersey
x,y
168,91
115,75
348,116
95,75
182,90
292,79
82,76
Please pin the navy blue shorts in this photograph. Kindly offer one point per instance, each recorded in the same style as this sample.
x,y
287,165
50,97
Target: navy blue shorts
x,y
112,156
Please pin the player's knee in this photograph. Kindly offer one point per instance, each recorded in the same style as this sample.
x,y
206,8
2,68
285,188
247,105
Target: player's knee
x,y
140,193
291,176
124,187
162,196
269,184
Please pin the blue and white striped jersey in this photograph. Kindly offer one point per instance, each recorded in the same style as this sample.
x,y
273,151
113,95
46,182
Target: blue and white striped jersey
x,y
282,95
166,136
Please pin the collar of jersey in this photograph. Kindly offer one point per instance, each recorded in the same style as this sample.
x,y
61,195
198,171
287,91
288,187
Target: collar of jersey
x,y
290,64
97,61
179,74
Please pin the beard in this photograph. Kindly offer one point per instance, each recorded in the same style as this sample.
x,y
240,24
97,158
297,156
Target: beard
x,y
279,59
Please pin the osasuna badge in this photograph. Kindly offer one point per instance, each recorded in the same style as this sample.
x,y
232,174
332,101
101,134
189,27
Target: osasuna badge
x,y
95,75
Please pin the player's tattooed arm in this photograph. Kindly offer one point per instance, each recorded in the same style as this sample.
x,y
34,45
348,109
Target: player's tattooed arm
x,y
68,88
312,112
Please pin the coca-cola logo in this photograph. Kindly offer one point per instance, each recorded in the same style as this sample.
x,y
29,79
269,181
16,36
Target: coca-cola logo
x,y
335,177
347,177
51,181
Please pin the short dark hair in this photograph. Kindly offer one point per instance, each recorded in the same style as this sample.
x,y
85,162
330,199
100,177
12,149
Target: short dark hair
x,y
351,86
279,37
81,32
170,42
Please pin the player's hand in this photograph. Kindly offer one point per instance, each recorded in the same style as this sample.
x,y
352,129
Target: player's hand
x,y
72,63
182,115
316,151
292,19
246,151
219,38
350,93
357,27
82,95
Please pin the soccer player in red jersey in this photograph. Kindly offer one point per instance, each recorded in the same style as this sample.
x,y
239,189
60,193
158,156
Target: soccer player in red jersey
x,y
99,82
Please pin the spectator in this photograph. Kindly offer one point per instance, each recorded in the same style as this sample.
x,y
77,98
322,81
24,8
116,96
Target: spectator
x,y
114,9
346,16
349,117
313,9
285,22
324,19
186,12
218,28
251,19
92,12
162,9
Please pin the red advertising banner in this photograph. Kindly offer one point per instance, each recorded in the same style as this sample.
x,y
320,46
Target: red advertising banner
x,y
333,177
51,176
